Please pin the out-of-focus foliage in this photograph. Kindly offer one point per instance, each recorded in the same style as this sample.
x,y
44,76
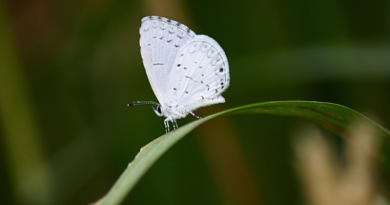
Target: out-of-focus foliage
x,y
68,68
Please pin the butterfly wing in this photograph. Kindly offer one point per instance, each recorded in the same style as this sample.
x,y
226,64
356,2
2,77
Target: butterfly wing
x,y
200,74
160,41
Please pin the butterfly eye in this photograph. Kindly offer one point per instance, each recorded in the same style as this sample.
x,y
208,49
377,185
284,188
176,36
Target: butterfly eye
x,y
157,110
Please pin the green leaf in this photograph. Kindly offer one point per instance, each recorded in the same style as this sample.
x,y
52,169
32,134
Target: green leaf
x,y
335,118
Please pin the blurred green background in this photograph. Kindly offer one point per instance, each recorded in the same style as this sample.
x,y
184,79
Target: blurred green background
x,y
68,69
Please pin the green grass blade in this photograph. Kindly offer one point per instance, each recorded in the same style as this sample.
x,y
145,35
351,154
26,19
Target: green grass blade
x,y
334,117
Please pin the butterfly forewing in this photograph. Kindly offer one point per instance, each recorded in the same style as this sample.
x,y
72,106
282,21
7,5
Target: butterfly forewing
x,y
160,41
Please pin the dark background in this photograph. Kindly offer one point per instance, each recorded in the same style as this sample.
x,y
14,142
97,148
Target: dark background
x,y
68,69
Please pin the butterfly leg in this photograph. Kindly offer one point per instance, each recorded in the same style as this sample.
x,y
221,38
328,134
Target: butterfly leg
x,y
175,126
196,115
174,123
166,123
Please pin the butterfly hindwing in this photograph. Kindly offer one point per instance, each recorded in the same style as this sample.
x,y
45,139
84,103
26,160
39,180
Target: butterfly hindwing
x,y
200,74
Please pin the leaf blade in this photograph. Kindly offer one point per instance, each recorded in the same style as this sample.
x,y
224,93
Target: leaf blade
x,y
334,117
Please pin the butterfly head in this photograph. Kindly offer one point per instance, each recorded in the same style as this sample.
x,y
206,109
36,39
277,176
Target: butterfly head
x,y
157,110
171,110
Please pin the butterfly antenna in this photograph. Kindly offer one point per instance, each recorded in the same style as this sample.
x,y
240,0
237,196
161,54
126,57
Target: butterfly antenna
x,y
142,103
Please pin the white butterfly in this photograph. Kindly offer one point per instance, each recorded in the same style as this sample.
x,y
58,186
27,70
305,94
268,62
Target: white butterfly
x,y
186,71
